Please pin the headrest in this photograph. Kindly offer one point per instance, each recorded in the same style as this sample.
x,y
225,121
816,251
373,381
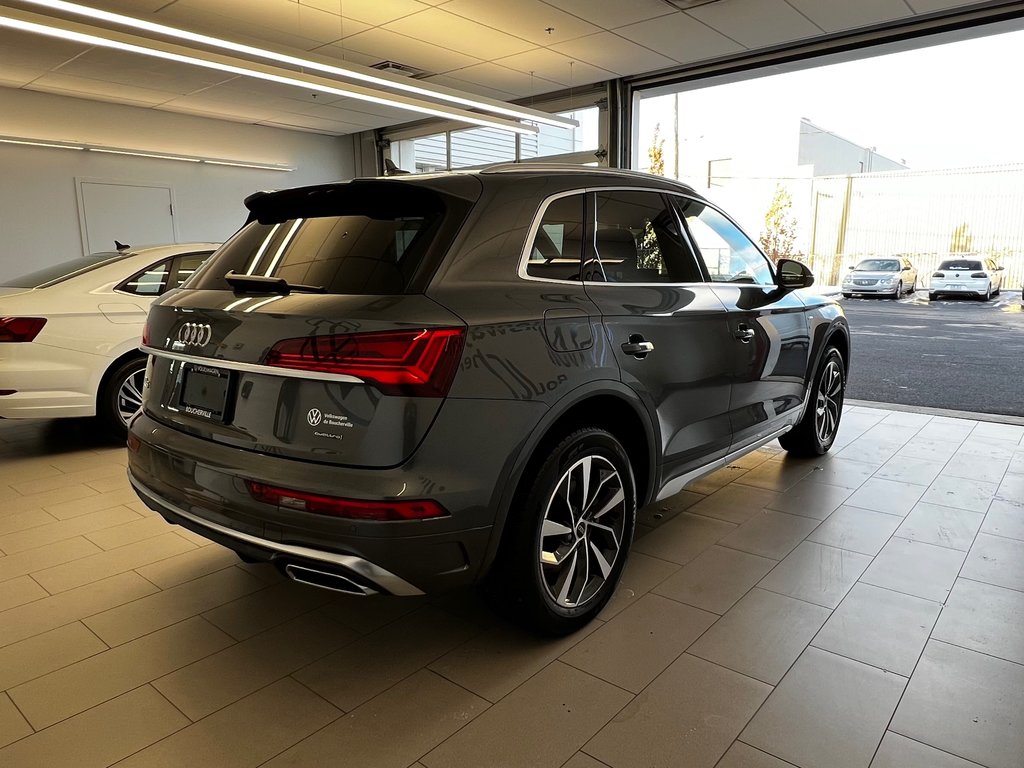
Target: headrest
x,y
616,244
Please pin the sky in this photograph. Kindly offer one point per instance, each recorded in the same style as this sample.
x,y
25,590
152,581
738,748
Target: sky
x,y
949,106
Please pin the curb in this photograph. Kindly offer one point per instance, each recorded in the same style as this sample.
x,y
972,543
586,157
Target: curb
x,y
997,418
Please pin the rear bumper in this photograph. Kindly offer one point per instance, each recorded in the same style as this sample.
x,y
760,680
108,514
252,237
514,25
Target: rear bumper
x,y
463,464
48,382
365,577
969,288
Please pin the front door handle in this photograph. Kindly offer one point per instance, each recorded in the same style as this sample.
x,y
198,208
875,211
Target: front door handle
x,y
744,334
637,346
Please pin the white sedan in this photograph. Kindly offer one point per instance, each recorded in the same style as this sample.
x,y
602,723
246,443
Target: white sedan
x,y
70,334
966,276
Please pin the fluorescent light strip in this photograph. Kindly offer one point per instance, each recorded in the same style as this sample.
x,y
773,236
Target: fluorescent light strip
x,y
255,71
30,143
140,153
490,105
145,154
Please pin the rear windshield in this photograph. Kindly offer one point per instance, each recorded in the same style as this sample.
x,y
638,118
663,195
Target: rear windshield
x,y
62,271
961,264
365,244
879,265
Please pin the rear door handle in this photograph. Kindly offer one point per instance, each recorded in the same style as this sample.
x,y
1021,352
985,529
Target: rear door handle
x,y
637,346
744,334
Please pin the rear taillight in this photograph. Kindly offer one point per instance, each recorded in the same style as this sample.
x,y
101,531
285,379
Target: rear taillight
x,y
419,363
353,509
145,334
15,329
978,274
938,274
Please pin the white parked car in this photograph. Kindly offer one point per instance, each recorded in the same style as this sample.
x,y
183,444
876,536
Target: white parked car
x,y
70,334
966,276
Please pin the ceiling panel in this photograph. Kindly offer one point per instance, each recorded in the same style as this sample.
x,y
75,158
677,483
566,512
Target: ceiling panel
x,y
386,45
53,82
129,7
505,79
837,15
302,36
528,19
614,13
311,124
16,76
450,31
128,69
927,6
465,85
756,23
372,12
556,67
369,113
17,48
358,120
680,37
616,54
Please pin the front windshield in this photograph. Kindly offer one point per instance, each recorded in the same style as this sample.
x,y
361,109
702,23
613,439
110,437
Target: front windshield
x,y
62,271
878,265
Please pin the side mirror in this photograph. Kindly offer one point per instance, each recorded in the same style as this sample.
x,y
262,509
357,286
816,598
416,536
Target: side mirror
x,y
906,269
792,274
850,267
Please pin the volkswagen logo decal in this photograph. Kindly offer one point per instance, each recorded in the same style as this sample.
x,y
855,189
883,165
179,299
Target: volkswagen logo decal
x,y
195,334
314,417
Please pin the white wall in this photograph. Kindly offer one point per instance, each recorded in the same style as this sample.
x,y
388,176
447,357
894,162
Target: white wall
x,y
39,219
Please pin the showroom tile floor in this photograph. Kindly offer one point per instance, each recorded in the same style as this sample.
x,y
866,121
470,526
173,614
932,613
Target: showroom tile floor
x,y
864,609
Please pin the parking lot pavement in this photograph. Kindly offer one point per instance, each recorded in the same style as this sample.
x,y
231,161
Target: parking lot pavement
x,y
953,353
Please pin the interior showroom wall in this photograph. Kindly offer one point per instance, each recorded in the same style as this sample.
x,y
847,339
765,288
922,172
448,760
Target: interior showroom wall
x,y
42,212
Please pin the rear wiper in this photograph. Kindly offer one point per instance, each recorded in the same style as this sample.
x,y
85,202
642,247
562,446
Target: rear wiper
x,y
261,284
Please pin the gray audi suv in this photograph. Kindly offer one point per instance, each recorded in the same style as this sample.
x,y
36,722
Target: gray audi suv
x,y
406,384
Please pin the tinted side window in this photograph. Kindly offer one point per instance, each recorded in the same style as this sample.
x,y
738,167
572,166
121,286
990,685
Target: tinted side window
x,y
151,281
185,266
728,254
638,240
556,248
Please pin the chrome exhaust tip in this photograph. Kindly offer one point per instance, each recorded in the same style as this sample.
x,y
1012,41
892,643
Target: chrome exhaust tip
x,y
326,580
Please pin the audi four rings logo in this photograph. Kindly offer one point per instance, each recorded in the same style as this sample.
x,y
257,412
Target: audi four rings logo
x,y
314,417
195,334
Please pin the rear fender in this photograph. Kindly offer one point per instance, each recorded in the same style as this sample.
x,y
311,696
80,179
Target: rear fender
x,y
519,463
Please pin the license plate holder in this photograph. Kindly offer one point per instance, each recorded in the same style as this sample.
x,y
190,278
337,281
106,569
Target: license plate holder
x,y
955,286
205,391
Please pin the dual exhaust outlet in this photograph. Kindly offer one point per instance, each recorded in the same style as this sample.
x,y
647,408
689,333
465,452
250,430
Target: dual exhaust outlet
x,y
306,574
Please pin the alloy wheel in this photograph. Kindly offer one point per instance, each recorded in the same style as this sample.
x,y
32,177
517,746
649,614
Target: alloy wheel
x,y
582,531
129,395
829,402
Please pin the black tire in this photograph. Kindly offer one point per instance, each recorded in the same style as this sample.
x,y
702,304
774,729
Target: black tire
x,y
913,287
539,578
987,296
899,291
847,295
816,431
932,296
117,396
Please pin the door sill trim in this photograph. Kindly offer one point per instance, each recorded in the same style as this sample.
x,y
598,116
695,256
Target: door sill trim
x,y
672,487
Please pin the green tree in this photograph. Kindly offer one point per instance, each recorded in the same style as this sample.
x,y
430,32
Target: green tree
x,y
962,240
779,232
656,153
